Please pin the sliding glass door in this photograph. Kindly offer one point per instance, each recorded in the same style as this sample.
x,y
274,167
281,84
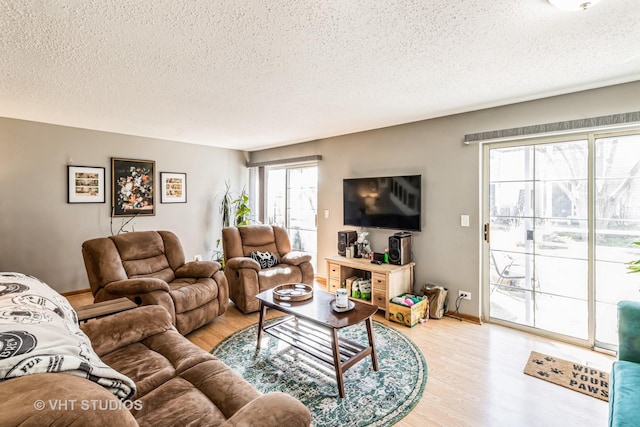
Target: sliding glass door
x,y
617,226
561,217
291,202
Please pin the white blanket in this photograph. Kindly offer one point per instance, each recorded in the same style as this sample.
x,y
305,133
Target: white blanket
x,y
39,333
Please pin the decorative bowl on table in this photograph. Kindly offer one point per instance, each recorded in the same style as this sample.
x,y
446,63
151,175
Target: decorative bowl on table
x,y
293,292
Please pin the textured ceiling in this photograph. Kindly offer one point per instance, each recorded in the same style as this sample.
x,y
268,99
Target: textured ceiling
x,y
251,74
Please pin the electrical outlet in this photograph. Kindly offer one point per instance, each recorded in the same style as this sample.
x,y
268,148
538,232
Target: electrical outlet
x,y
464,294
197,257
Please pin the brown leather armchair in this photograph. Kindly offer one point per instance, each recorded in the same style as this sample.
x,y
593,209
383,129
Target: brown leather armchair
x,y
148,267
245,275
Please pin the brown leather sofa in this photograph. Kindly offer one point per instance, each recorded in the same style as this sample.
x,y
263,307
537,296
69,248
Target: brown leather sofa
x,y
149,267
245,275
177,383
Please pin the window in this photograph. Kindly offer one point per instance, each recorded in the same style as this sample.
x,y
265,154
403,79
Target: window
x,y
291,199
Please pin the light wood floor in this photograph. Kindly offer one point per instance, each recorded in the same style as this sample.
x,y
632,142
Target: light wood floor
x,y
475,373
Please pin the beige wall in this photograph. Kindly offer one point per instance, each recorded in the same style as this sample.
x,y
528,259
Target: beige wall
x,y
445,253
41,234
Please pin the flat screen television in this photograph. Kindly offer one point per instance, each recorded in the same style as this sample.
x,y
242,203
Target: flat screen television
x,y
392,202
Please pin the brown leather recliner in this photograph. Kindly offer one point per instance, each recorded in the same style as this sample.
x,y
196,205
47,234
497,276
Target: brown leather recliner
x,y
245,275
148,267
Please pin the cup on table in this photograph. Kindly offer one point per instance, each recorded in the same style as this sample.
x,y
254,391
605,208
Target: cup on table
x,y
341,298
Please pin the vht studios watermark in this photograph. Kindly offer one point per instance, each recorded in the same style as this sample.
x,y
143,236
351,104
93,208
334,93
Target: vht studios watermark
x,y
87,405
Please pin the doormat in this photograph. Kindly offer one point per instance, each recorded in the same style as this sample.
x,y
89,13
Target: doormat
x,y
577,377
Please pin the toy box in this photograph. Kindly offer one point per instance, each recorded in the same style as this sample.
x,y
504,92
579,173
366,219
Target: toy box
x,y
408,316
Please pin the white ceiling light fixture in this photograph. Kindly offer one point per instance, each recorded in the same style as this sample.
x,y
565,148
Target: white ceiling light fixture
x,y
573,4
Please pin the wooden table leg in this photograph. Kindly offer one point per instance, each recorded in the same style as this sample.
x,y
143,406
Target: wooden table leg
x,y
372,343
336,361
263,310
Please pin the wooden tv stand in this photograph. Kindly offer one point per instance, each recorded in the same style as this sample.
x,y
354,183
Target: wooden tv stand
x,y
387,280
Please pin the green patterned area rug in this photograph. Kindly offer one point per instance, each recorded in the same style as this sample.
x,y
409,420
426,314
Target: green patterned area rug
x,y
372,398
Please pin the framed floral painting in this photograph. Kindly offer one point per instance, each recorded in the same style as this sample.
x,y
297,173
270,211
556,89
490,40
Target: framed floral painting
x,y
132,187
173,187
85,184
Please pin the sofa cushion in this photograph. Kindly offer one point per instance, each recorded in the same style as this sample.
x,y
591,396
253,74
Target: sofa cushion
x,y
193,407
269,278
141,245
147,368
156,267
222,385
39,333
143,255
187,297
257,238
623,404
127,327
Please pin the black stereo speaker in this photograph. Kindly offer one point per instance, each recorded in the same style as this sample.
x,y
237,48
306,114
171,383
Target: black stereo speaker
x,y
346,239
400,248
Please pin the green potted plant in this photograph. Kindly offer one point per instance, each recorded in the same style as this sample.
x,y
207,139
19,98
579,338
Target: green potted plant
x,y
236,207
242,209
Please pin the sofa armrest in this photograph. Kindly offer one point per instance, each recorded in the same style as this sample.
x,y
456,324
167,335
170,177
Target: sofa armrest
x,y
295,258
121,329
271,410
629,331
136,286
238,263
58,399
199,269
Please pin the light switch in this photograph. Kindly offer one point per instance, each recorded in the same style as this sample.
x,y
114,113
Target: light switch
x,y
326,214
464,220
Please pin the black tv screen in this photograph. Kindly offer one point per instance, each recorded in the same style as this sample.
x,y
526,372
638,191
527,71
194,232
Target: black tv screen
x,y
383,202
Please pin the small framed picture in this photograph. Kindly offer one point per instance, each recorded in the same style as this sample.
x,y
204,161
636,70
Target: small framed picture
x,y
85,184
173,187
132,187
